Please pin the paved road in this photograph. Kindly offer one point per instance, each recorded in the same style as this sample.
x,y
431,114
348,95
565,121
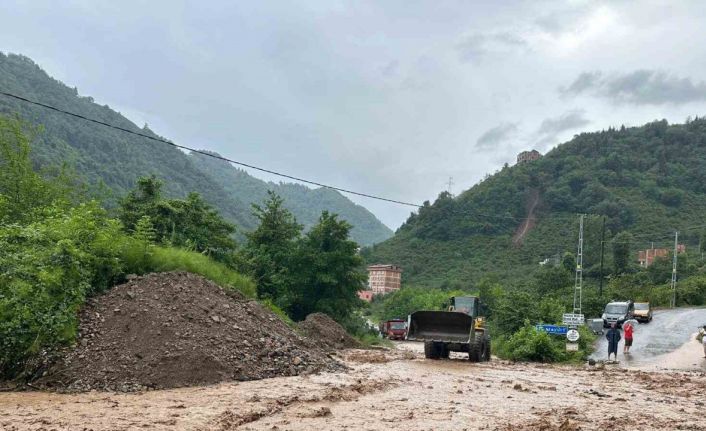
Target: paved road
x,y
668,331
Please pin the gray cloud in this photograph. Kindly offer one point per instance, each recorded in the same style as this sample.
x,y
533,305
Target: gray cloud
x,y
640,87
496,135
477,46
551,128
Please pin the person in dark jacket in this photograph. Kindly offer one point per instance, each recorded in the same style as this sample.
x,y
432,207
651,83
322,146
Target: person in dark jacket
x,y
613,337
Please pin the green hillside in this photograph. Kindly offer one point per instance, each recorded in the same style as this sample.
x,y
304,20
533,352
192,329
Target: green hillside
x,y
647,180
306,204
116,159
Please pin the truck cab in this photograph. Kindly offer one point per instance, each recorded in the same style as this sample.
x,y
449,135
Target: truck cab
x,y
394,329
465,304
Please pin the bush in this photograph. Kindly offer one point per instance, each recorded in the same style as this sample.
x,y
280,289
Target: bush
x,y
529,344
47,269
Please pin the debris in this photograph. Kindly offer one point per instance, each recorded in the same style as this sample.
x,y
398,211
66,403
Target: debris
x,y
176,344
326,332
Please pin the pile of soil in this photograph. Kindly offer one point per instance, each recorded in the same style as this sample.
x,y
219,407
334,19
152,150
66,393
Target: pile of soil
x,y
327,333
177,329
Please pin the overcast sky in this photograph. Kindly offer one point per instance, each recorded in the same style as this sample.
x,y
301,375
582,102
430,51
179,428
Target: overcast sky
x,y
385,97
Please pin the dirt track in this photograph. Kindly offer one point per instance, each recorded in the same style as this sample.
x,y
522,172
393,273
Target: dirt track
x,y
388,391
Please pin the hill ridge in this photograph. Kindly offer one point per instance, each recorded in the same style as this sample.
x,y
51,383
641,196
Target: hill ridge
x,y
116,159
645,180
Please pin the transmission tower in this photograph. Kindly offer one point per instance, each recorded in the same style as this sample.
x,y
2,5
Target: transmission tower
x,y
674,271
449,184
578,284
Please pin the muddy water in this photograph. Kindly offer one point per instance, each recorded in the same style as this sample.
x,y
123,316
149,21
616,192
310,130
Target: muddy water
x,y
396,390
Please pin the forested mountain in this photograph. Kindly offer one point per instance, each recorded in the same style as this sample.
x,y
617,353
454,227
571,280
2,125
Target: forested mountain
x,y
306,204
116,159
647,181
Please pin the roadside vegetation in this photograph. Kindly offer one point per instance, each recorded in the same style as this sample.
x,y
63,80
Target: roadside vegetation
x,y
60,247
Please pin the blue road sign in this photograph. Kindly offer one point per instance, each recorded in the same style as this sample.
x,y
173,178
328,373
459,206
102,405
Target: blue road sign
x,y
553,329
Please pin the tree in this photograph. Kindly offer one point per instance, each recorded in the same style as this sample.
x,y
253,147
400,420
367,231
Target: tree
x,y
22,189
188,223
270,250
568,261
621,252
327,271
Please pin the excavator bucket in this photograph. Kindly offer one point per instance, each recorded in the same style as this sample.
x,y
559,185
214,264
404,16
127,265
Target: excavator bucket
x,y
446,326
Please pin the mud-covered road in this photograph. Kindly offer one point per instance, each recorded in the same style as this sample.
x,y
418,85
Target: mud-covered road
x,y
668,331
393,390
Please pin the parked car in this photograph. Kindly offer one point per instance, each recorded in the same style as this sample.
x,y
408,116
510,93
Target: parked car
x,y
618,312
643,312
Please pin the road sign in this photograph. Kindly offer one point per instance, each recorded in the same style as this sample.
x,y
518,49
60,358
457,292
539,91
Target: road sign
x,y
572,335
572,347
572,319
552,329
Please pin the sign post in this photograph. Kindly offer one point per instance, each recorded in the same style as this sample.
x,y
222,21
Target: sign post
x,y
553,329
573,321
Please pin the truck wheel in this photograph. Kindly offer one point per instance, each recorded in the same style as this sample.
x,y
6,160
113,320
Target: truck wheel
x,y
430,350
486,350
475,349
444,352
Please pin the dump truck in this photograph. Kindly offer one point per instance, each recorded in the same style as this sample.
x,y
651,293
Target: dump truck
x,y
395,329
459,329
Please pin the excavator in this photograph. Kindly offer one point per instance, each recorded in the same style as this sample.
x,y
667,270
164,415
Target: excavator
x,y
459,329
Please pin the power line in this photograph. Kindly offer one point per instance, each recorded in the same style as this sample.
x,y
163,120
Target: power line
x,y
291,177
183,147
235,162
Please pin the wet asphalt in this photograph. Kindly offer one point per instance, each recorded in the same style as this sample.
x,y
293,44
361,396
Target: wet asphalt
x,y
668,331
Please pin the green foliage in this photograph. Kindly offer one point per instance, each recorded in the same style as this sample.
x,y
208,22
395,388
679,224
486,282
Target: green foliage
x,y
114,160
326,271
529,344
518,306
47,269
319,271
278,311
52,261
271,248
304,203
188,223
24,191
399,304
621,252
646,181
176,259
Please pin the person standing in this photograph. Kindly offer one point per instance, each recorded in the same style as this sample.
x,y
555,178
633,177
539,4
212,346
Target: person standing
x,y
628,329
613,337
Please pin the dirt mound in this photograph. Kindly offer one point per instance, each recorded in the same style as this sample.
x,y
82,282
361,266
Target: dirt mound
x,y
326,332
177,329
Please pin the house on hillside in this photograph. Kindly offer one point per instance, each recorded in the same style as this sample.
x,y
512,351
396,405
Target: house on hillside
x,y
646,257
384,279
365,295
528,156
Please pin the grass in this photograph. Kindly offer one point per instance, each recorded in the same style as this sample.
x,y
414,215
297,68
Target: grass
x,y
163,259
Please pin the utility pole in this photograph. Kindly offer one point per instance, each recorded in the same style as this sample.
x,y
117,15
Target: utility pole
x,y
578,284
600,286
674,270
